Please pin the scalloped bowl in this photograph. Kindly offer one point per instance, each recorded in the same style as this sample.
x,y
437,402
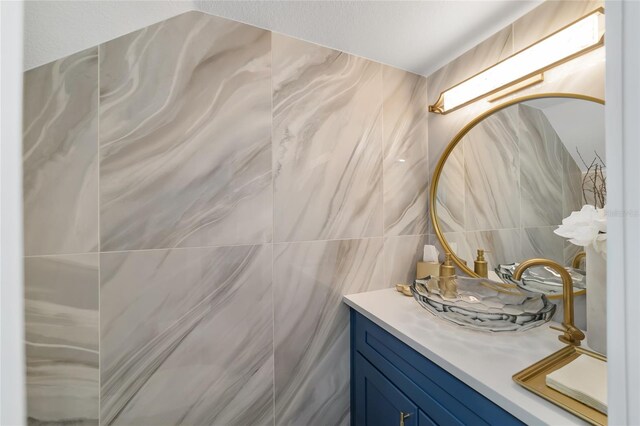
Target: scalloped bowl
x,y
485,305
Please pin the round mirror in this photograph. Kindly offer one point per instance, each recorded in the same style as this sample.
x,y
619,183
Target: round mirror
x,y
508,178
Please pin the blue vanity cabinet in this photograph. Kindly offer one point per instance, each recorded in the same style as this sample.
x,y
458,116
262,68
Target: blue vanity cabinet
x,y
391,384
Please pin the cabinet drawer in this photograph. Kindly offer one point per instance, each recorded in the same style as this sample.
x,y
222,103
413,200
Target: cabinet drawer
x,y
443,398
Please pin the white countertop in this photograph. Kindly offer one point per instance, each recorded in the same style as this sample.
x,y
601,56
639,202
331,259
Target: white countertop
x,y
484,361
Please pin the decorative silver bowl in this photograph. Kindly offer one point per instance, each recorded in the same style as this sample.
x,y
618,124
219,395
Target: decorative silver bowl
x,y
541,279
485,305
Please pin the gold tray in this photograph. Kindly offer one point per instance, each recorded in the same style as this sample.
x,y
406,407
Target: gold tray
x,y
533,378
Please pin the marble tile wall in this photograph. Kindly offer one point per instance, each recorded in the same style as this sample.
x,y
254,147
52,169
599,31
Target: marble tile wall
x,y
492,165
199,195
62,339
186,336
60,148
185,135
312,327
584,75
543,157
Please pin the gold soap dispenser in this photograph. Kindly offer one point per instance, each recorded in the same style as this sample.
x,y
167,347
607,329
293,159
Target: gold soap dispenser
x,y
447,280
480,266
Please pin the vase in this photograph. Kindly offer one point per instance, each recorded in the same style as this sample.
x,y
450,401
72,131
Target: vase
x,y
596,269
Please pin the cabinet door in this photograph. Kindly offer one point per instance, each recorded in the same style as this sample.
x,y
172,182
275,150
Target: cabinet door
x,y
378,401
424,420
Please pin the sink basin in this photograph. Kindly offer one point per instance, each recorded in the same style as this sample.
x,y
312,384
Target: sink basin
x,y
485,305
541,279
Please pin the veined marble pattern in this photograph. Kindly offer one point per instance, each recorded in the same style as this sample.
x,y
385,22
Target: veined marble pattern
x,y
542,155
186,337
61,156
542,242
327,146
406,165
452,192
61,325
572,198
185,119
312,325
492,173
401,254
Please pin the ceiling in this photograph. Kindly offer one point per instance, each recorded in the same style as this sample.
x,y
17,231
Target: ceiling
x,y
418,36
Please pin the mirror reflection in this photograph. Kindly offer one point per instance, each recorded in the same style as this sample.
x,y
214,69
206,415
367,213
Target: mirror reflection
x,y
510,181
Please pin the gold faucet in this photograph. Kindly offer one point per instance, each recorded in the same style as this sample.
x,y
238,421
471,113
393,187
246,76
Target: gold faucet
x,y
447,278
572,335
578,259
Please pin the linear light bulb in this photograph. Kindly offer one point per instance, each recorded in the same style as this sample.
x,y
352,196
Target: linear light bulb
x,y
571,41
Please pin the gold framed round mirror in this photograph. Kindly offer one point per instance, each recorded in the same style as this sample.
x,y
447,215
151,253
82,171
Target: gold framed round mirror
x,y
523,133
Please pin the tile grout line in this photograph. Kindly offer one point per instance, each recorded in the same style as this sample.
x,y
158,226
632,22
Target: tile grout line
x,y
273,234
382,156
99,260
231,245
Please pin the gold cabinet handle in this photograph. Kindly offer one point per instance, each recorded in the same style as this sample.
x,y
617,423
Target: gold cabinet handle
x,y
403,416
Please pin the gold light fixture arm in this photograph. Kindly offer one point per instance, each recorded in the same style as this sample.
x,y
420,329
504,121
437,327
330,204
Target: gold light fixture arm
x,y
572,335
438,106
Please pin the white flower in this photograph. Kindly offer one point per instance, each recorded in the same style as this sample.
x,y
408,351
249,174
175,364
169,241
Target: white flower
x,y
586,227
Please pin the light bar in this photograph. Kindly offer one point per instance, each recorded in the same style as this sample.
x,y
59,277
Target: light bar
x,y
583,35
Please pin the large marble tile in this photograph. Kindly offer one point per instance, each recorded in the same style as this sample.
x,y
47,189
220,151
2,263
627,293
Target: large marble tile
x,y
492,173
187,336
312,325
451,192
541,164
541,242
406,166
185,126
61,325
60,151
327,143
401,255
572,196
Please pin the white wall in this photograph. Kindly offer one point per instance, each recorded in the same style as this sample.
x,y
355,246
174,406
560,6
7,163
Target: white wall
x,y
54,29
587,137
623,200
12,378
417,36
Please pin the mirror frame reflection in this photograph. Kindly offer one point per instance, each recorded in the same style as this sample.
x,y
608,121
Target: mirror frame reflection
x,y
433,190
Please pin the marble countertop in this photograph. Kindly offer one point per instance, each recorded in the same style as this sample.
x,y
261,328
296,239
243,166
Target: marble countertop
x,y
484,361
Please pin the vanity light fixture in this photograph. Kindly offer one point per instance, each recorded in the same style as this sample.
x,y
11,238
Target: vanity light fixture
x,y
577,38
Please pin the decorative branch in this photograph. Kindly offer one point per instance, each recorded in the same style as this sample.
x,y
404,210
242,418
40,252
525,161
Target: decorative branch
x,y
594,181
